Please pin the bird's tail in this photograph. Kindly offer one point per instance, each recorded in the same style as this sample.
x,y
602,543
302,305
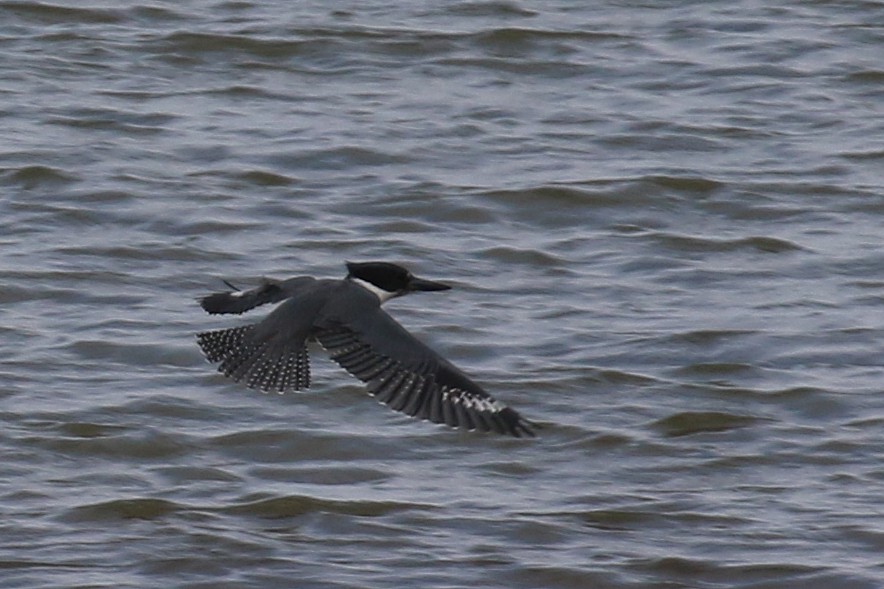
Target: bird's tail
x,y
239,301
256,363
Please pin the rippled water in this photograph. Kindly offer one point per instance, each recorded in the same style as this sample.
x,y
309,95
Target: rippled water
x,y
663,222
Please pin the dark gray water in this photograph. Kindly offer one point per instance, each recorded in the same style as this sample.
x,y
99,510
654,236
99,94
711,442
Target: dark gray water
x,y
663,221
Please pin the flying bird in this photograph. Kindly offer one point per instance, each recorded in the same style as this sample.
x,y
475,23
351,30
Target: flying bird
x,y
346,319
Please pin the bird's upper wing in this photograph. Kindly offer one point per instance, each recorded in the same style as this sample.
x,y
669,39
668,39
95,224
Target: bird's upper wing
x,y
405,374
270,291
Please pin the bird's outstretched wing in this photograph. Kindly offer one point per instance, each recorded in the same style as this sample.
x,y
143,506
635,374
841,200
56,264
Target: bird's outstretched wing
x,y
240,301
408,376
256,361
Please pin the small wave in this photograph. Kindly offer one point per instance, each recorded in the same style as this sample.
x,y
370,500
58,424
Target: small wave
x,y
708,337
716,369
496,9
297,505
107,443
694,243
36,176
696,422
627,518
122,509
113,121
321,475
50,14
514,255
195,43
265,178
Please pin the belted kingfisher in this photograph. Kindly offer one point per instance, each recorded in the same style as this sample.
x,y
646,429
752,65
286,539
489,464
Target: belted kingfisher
x,y
346,318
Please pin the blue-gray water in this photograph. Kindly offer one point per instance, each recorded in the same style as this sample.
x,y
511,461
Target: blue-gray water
x,y
663,221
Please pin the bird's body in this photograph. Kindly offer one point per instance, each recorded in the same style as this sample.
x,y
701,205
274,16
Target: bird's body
x,y
346,318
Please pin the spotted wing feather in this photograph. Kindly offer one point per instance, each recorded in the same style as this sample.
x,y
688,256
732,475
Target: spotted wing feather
x,y
255,362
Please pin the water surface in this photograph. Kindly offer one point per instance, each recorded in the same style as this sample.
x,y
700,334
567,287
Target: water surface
x,y
662,222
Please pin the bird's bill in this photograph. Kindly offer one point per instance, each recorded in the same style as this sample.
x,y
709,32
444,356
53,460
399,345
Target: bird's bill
x,y
419,284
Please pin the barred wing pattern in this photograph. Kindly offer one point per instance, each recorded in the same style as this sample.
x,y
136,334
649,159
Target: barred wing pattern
x,y
255,363
415,391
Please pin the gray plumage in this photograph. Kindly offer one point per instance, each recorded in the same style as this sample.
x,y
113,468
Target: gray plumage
x,y
346,318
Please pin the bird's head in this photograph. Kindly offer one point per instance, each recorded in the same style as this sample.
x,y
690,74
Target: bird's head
x,y
388,280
